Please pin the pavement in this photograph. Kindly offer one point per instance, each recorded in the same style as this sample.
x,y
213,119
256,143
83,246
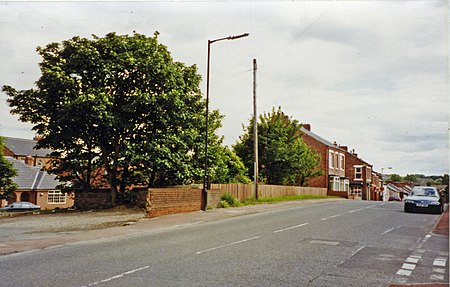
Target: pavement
x,y
136,224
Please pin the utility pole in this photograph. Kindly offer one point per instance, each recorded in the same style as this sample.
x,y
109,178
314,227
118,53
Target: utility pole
x,y
255,133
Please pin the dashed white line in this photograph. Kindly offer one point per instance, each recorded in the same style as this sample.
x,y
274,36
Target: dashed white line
x,y
116,276
437,277
355,210
439,270
404,272
389,230
329,217
289,228
412,260
440,262
226,245
408,266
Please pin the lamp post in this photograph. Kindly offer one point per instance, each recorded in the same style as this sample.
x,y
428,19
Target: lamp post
x,y
205,175
382,183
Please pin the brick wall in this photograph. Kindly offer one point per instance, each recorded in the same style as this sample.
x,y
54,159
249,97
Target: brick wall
x,y
164,201
321,149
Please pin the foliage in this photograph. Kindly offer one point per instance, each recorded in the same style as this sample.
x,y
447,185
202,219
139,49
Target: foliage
x,y
228,167
227,200
7,172
395,178
283,157
120,103
412,178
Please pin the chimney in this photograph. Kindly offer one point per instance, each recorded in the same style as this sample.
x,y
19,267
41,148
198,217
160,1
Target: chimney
x,y
307,127
29,160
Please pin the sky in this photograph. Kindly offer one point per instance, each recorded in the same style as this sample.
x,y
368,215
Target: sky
x,y
370,75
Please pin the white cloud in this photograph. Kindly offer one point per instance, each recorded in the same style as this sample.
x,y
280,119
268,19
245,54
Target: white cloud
x,y
369,74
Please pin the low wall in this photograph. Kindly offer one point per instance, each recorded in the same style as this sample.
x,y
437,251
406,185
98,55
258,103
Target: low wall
x,y
164,201
97,199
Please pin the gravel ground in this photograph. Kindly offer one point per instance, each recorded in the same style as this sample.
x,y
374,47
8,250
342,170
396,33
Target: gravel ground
x,y
68,221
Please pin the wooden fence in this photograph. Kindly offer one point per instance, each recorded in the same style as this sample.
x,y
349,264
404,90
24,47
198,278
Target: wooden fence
x,y
245,191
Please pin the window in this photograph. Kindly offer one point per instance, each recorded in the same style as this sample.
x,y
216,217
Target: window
x,y
342,161
331,159
358,172
55,197
336,183
336,160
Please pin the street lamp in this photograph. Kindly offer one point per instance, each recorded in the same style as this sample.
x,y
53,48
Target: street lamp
x,y
205,175
382,184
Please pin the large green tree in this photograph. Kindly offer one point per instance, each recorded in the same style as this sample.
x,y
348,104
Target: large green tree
x,y
120,103
283,157
7,172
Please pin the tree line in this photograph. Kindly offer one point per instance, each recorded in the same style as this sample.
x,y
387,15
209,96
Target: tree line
x,y
119,111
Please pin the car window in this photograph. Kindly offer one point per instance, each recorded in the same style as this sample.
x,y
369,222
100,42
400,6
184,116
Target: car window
x,y
424,192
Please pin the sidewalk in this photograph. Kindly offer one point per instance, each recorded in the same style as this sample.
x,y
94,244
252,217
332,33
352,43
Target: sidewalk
x,y
43,240
441,228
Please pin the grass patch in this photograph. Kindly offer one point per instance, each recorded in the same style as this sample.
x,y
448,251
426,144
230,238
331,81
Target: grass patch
x,y
253,201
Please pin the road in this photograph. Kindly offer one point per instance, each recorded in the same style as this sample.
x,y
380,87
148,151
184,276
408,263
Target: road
x,y
345,243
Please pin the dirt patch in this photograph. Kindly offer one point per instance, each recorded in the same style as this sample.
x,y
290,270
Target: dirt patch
x,y
29,223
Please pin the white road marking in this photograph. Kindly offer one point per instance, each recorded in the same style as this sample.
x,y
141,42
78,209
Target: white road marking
x,y
440,262
426,238
225,245
437,277
359,249
324,242
116,276
351,211
439,270
404,272
412,260
289,228
389,230
372,206
409,266
329,217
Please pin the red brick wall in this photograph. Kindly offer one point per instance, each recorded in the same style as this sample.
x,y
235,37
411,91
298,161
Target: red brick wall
x,y
163,201
321,149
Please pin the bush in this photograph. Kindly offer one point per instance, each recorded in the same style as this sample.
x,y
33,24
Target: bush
x,y
227,200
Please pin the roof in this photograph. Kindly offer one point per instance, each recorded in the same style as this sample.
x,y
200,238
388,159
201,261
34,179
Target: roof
x,y
25,147
320,139
32,177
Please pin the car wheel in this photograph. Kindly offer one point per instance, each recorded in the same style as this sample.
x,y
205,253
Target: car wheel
x,y
406,209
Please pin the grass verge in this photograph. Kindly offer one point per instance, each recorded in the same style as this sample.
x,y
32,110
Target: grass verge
x,y
253,201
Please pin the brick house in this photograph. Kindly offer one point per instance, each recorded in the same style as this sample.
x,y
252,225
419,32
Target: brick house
x,y
37,186
23,149
333,163
360,175
34,183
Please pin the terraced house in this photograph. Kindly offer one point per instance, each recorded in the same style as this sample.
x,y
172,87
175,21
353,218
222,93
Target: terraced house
x,y
333,163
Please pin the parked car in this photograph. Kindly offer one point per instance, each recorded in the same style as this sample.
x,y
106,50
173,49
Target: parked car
x,y
394,198
424,198
20,206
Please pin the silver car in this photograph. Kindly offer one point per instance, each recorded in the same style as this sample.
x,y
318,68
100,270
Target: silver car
x,y
20,206
424,198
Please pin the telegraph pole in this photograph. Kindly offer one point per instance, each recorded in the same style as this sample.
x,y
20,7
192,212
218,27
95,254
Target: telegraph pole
x,y
255,133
